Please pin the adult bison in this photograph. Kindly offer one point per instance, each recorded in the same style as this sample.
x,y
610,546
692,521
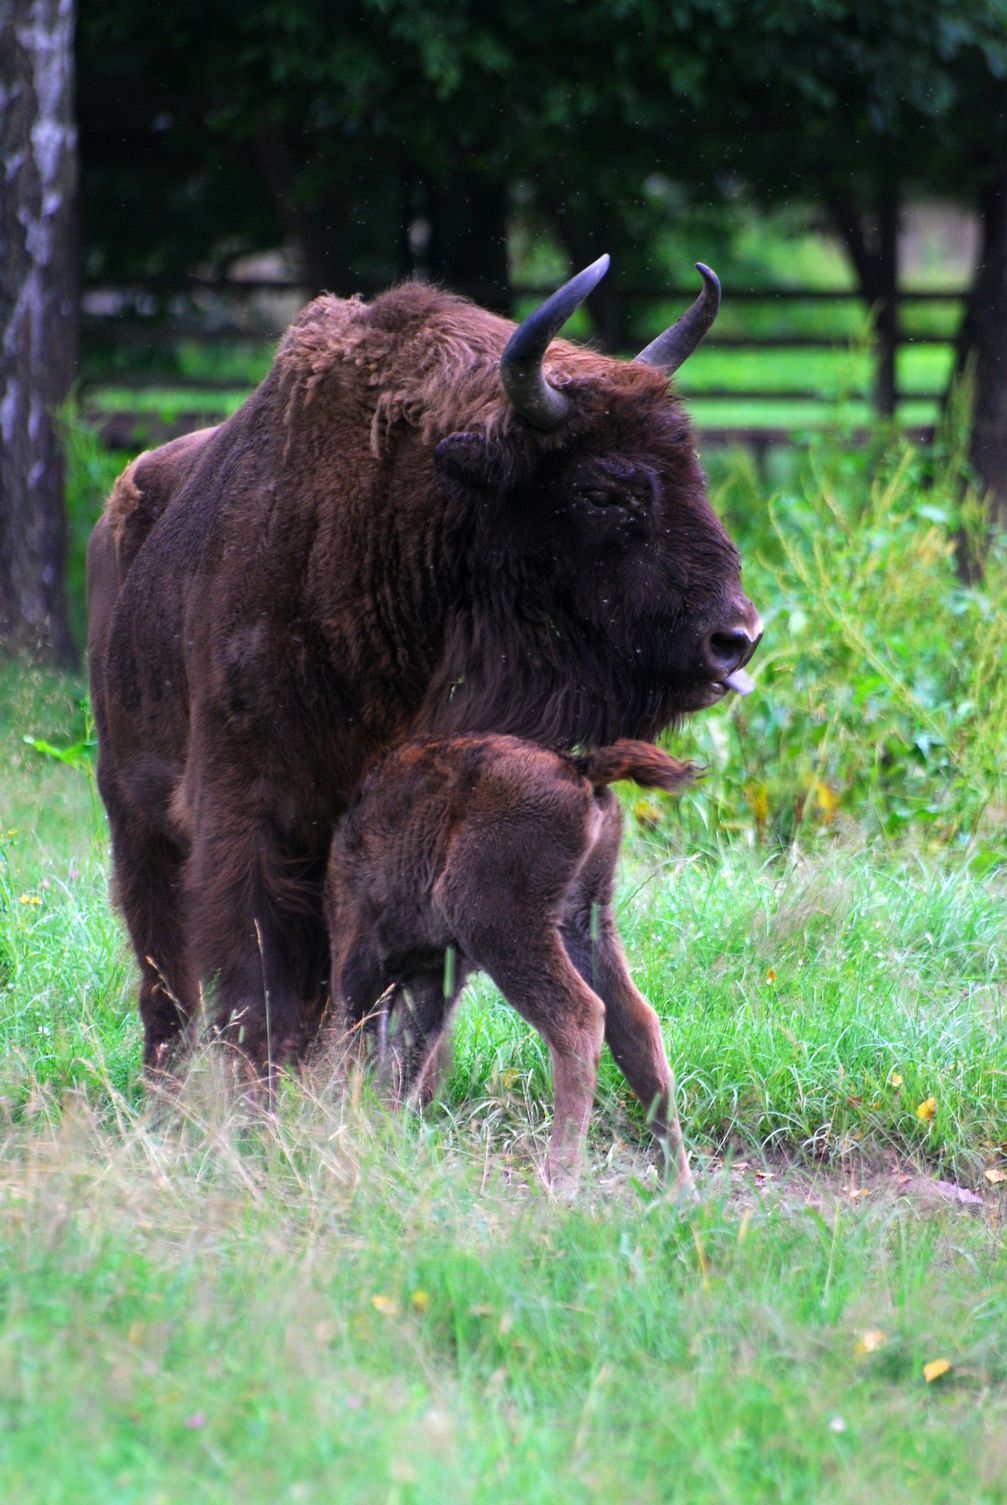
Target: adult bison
x,y
422,520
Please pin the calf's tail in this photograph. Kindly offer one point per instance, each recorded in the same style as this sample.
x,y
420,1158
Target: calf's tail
x,y
641,762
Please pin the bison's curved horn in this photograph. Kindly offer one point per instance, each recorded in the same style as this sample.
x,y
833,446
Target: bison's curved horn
x,y
670,349
540,404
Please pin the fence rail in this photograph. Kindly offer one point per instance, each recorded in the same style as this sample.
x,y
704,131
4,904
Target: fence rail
x,y
158,314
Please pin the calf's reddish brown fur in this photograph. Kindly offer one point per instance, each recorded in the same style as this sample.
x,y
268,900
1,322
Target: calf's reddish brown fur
x,y
506,852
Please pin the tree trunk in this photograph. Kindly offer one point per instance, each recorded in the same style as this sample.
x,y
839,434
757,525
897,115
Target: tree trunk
x,y
875,259
468,238
887,306
38,317
608,306
983,345
318,240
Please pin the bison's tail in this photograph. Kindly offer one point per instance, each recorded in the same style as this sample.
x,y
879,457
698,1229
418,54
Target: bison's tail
x,y
641,762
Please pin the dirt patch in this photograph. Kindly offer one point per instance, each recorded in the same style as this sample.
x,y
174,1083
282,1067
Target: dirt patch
x,y
751,1182
864,1180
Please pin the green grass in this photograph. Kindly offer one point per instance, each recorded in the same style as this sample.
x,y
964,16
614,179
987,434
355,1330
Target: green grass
x,y
792,986
342,1307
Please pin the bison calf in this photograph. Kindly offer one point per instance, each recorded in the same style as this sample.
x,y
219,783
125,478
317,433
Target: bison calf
x,y
490,853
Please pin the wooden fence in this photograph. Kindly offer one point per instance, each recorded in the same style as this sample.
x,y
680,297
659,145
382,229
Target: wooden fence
x,y
148,319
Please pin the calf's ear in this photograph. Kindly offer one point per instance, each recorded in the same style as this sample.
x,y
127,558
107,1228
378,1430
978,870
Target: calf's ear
x,y
468,460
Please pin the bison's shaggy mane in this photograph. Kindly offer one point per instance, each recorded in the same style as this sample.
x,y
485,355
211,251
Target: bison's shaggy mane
x,y
431,359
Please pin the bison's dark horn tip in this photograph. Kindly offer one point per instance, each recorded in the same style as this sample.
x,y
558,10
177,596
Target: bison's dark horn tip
x,y
676,344
532,396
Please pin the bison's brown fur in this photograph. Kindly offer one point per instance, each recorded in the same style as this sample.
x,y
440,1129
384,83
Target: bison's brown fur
x,y
506,852
374,544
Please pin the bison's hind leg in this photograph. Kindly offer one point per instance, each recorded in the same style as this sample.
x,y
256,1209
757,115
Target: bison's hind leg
x,y
148,886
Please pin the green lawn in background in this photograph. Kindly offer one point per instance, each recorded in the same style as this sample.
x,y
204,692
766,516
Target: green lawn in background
x,y
844,374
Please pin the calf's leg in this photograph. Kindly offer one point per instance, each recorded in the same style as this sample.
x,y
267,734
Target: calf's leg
x,y
632,1028
362,993
536,977
418,1050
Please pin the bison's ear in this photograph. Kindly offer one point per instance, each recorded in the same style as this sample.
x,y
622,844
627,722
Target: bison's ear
x,y
468,460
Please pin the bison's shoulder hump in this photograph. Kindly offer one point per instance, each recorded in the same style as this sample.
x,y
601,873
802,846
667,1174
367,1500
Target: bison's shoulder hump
x,y
406,355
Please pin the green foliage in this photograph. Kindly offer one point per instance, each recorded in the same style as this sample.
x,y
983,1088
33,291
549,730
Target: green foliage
x,y
611,118
90,471
881,700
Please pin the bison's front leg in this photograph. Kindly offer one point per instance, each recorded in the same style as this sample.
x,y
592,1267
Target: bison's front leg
x,y
259,937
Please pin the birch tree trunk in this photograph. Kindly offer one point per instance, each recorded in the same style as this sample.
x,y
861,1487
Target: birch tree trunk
x,y
38,317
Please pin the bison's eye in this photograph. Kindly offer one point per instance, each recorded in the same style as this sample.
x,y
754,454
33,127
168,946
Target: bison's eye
x,y
628,501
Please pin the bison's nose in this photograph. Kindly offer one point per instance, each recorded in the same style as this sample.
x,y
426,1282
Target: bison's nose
x,y
728,648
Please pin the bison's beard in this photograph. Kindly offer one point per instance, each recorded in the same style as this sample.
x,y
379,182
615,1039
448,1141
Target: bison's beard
x,y
559,686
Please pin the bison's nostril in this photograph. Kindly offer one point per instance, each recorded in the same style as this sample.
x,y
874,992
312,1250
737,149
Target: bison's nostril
x,y
727,650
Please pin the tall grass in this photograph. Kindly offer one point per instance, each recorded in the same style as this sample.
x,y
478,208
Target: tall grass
x,y
882,703
341,1305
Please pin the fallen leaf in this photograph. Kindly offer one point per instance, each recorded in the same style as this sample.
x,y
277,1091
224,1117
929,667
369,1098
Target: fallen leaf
x,y
958,1193
871,1340
648,813
758,802
927,1109
386,1305
995,1176
826,799
935,1369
